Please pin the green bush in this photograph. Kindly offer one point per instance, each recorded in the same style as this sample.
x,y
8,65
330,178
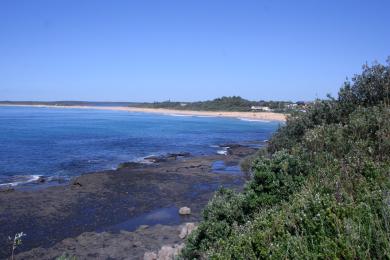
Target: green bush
x,y
322,190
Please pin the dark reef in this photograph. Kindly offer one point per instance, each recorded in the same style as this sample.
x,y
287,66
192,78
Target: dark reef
x,y
105,209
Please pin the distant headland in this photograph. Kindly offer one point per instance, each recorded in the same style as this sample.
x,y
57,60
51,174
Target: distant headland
x,y
236,107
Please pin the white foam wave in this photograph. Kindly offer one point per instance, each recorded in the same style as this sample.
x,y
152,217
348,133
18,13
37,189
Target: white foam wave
x,y
179,115
21,180
206,116
57,178
144,160
254,120
224,151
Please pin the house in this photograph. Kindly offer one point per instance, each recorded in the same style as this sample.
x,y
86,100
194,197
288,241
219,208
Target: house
x,y
291,106
261,108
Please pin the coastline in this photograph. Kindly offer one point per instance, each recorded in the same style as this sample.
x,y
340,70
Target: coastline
x,y
135,205
112,206
267,116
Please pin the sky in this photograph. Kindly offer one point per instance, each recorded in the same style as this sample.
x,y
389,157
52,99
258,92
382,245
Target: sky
x,y
190,50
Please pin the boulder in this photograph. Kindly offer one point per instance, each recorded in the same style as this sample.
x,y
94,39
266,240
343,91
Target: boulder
x,y
150,256
184,211
166,253
190,227
170,252
186,230
183,232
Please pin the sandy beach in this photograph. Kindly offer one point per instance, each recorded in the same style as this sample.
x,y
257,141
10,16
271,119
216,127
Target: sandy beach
x,y
268,116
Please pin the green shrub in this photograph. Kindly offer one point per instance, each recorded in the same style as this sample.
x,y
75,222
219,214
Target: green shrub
x,y
322,191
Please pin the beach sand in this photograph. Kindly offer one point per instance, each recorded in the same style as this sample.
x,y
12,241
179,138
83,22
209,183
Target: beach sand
x,y
267,116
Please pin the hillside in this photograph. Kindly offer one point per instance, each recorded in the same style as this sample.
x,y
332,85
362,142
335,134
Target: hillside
x,y
319,190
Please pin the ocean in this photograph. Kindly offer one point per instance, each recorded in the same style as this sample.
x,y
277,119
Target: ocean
x,y
60,143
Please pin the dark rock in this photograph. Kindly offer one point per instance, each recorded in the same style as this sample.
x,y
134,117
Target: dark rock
x,y
242,151
129,165
41,179
155,159
77,183
7,189
180,155
230,145
167,157
194,166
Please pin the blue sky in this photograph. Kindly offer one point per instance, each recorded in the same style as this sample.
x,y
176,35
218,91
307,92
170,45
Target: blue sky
x,y
186,50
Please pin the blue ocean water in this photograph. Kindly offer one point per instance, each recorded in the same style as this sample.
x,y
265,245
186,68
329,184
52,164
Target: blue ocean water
x,y
63,143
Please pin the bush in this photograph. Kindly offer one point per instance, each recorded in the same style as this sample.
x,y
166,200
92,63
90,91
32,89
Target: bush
x,y
320,190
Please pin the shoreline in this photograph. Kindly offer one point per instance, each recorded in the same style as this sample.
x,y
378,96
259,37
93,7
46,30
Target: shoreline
x,y
36,182
255,116
96,202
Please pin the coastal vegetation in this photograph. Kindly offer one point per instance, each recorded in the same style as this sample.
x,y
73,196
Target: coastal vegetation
x,y
233,103
15,242
230,104
320,189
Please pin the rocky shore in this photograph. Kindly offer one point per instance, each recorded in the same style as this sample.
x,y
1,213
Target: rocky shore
x,y
117,214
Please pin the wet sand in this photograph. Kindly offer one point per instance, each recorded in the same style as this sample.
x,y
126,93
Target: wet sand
x,y
99,215
267,116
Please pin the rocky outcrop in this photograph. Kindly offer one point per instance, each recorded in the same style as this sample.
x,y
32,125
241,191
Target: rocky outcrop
x,y
104,199
170,252
186,230
150,256
166,252
166,157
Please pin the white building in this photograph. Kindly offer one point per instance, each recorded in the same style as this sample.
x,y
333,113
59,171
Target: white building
x,y
260,108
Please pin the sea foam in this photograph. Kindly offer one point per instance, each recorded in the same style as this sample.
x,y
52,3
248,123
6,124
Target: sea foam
x,y
224,151
254,120
18,180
